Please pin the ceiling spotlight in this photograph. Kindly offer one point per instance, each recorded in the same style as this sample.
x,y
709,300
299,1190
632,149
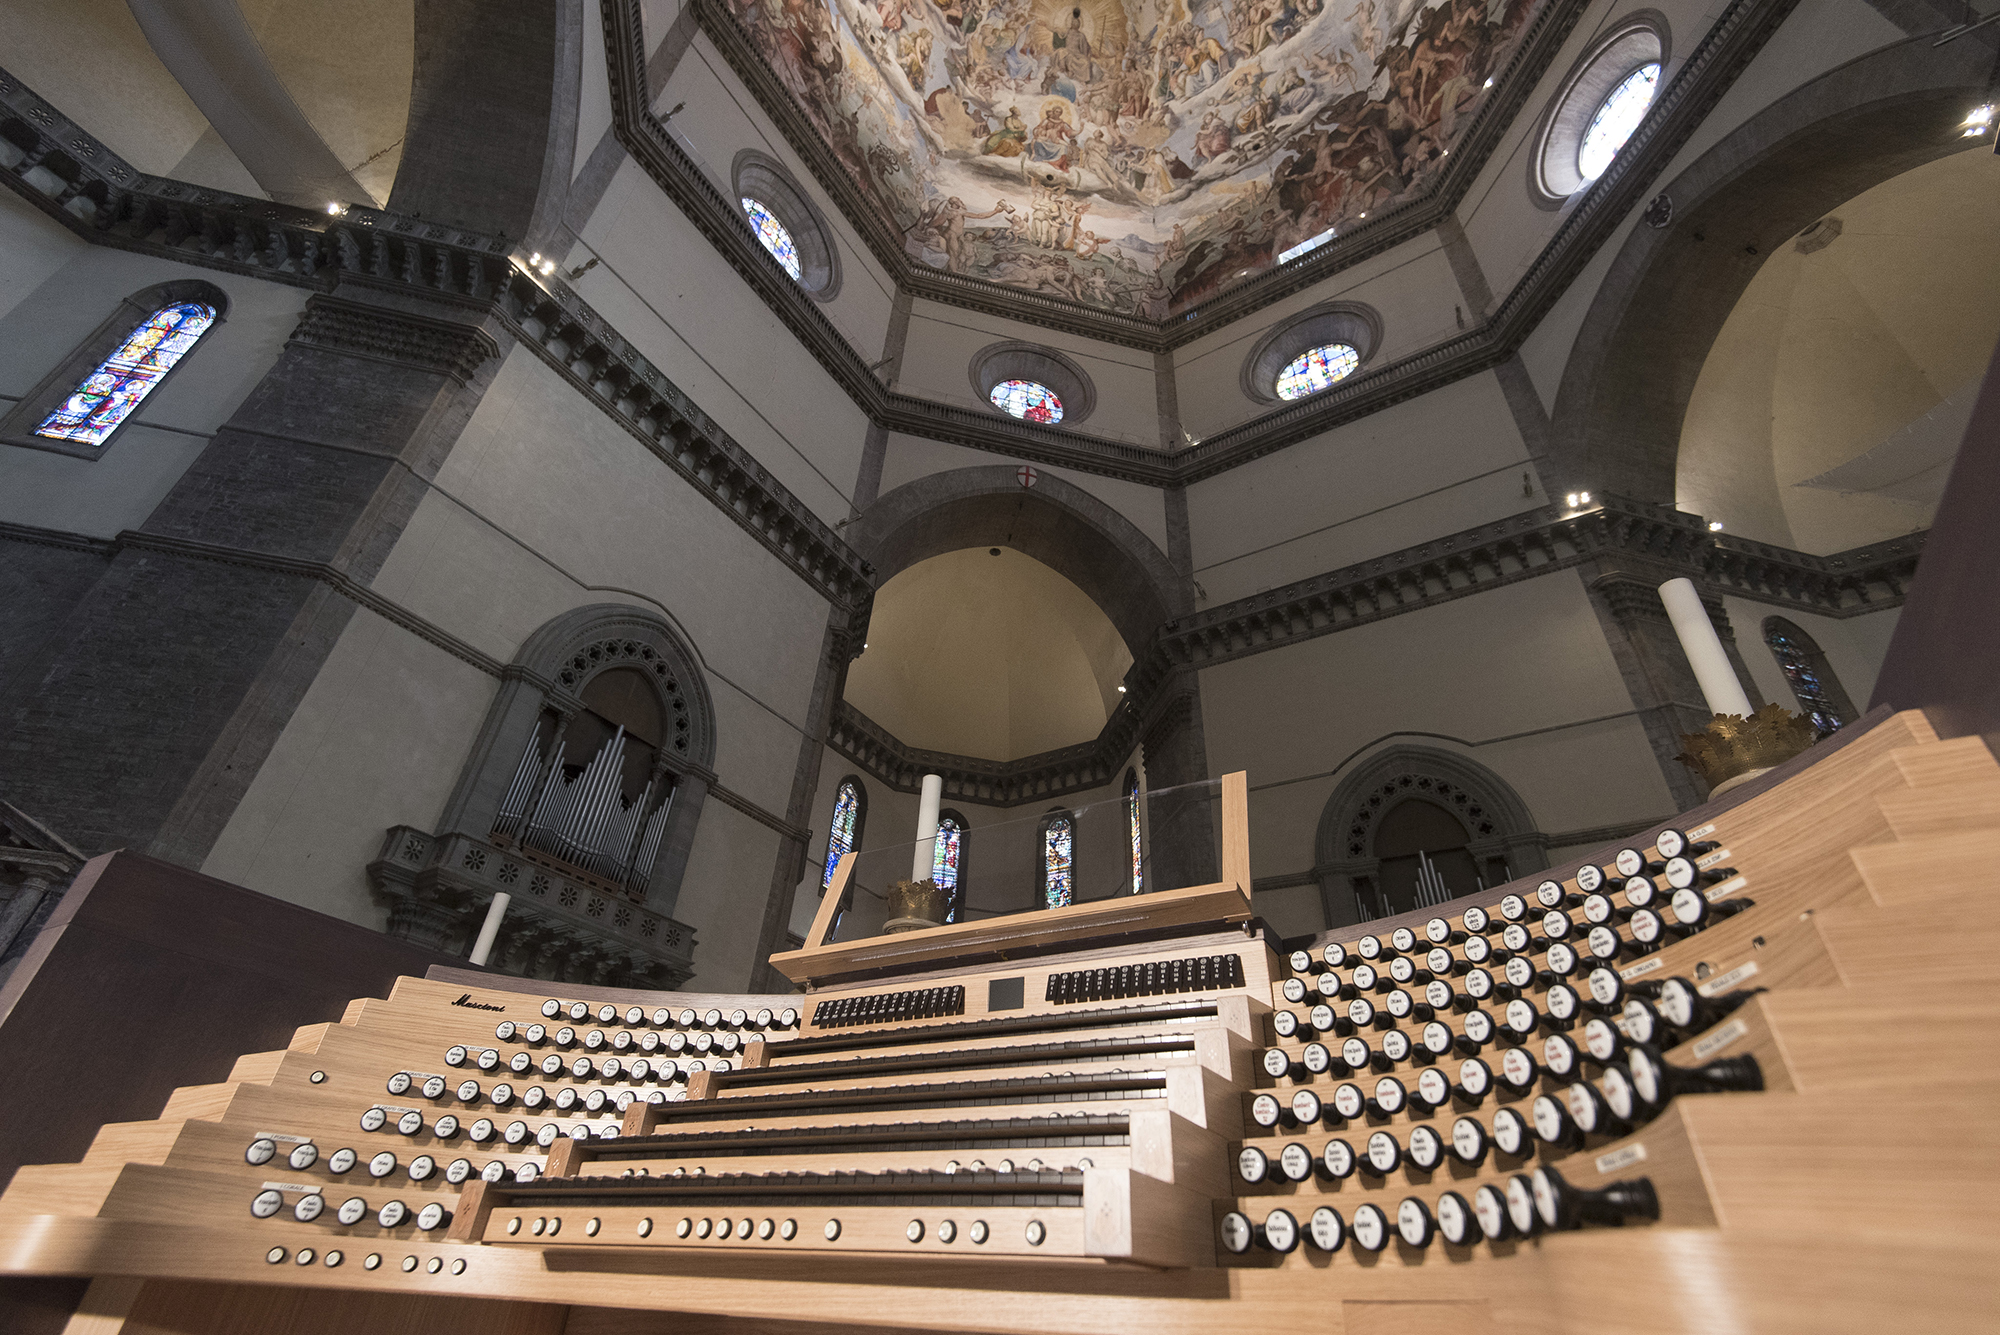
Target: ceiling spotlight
x,y
1980,116
1489,83
1715,526
1121,690
335,209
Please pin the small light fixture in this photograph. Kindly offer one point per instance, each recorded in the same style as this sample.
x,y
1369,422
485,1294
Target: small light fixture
x,y
1715,526
1121,690
335,209
1978,120
1576,498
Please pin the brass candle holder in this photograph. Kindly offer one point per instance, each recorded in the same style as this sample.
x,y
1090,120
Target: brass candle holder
x,y
1734,749
915,905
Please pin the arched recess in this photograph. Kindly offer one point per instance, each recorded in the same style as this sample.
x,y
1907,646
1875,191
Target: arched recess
x,y
1618,414
1122,570
550,673
1059,524
491,138
1502,839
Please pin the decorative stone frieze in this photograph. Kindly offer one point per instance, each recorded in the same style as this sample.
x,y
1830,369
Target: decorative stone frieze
x,y
560,926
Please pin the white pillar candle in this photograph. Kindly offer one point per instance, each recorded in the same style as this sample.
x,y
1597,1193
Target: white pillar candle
x,y
1712,668
927,821
490,928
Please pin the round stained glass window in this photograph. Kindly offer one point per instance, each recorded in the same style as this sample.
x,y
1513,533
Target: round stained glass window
x,y
1027,400
1311,372
774,236
1617,116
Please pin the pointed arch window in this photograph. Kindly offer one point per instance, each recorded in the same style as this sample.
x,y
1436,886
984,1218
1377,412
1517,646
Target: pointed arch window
x,y
1058,872
850,810
86,401
1819,693
948,861
1132,825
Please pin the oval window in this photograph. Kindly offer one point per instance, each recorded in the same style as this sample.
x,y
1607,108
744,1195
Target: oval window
x,y
1028,400
774,236
1617,116
1310,372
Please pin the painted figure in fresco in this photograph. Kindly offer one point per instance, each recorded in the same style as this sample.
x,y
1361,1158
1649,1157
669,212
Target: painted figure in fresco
x,y
1053,140
949,223
1011,139
1212,140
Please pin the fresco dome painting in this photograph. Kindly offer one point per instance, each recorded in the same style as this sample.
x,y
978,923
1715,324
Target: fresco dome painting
x,y
1138,156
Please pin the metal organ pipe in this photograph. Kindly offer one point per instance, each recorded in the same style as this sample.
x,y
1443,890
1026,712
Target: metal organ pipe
x,y
598,796
553,790
649,844
515,804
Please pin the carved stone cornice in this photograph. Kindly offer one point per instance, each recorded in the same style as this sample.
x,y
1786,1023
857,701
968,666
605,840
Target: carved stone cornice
x,y
1647,544
1525,546
1046,777
53,163
361,330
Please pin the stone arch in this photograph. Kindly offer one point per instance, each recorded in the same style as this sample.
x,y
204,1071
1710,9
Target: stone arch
x,y
1056,522
549,672
491,138
1502,829
1616,425
1122,570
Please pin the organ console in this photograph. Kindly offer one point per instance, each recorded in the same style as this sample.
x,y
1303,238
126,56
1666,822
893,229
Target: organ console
x,y
1668,1074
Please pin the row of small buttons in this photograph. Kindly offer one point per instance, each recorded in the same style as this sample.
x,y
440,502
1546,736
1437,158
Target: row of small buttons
x,y
373,1261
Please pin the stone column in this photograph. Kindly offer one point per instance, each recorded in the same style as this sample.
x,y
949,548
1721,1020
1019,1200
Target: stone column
x,y
663,889
157,699
1655,669
1181,824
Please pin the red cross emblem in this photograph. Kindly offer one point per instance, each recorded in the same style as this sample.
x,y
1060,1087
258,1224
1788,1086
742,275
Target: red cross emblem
x,y
1026,475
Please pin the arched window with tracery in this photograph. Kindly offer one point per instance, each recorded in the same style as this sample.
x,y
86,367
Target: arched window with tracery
x,y
843,836
948,861
86,400
1132,827
1819,693
1058,869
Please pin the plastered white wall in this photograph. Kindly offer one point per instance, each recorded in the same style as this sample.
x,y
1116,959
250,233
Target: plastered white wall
x,y
943,340
1447,461
1519,679
661,285
909,458
717,121
79,287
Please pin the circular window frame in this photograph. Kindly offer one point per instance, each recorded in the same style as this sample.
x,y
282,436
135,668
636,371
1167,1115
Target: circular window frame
x,y
759,176
1015,360
1349,322
1641,38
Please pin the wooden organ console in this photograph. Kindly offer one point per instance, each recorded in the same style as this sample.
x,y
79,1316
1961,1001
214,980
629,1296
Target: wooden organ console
x,y
1736,1075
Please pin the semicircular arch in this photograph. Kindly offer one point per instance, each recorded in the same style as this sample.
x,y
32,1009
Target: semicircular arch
x,y
1618,415
1056,522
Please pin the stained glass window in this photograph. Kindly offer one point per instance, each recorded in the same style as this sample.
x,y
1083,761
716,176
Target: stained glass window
x,y
773,234
1028,400
946,857
1311,372
1132,821
1819,692
108,395
1058,857
1617,116
845,831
